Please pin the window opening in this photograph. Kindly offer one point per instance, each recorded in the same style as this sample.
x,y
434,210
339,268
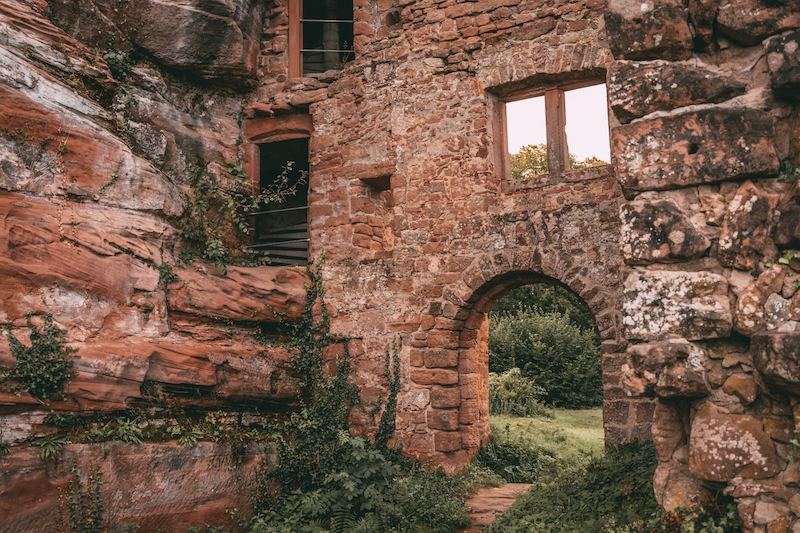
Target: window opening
x,y
327,35
556,129
282,227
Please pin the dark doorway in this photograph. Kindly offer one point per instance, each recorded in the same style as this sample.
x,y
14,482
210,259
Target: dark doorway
x,y
282,227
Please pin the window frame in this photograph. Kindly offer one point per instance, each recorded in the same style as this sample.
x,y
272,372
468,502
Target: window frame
x,y
295,38
555,120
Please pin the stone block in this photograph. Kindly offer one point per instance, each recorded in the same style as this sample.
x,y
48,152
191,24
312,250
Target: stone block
x,y
747,225
445,397
743,386
723,446
424,376
444,419
638,88
440,358
447,441
657,29
787,230
776,356
665,370
750,314
751,21
659,232
694,147
668,431
784,64
662,305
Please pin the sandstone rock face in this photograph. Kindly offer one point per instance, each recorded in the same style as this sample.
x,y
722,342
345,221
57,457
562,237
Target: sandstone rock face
x,y
664,305
658,232
746,227
776,356
151,485
784,65
787,231
638,88
694,147
724,446
216,39
648,31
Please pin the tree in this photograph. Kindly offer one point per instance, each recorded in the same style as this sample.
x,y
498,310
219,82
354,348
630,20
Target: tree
x,y
531,160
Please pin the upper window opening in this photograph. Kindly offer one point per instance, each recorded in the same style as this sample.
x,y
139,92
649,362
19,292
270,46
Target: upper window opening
x,y
555,130
327,35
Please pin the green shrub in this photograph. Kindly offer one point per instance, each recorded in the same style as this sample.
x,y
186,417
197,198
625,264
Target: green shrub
x,y
512,394
542,298
518,458
705,515
618,486
44,367
562,359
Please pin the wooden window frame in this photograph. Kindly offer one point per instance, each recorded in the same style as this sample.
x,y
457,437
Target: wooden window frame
x,y
555,121
295,38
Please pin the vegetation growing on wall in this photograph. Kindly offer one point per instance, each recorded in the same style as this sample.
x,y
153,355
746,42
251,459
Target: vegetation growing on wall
x,y
43,368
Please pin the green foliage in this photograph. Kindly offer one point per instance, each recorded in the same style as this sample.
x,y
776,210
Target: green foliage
x,y
219,212
518,458
542,298
188,436
44,367
514,395
120,429
560,358
705,515
386,426
85,505
531,160
788,172
618,485
120,63
786,258
51,445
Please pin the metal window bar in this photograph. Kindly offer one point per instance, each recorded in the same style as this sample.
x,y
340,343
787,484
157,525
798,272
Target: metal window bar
x,y
277,243
325,50
327,20
280,210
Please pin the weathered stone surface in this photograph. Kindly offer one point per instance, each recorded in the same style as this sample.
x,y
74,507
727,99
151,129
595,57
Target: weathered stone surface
x,y
674,488
776,356
723,446
703,13
784,64
215,39
751,21
668,430
749,314
714,207
747,225
262,293
663,305
743,386
659,232
638,88
647,31
787,230
151,485
665,370
694,147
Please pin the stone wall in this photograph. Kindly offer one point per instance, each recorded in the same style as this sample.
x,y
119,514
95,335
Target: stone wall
x,y
707,111
420,229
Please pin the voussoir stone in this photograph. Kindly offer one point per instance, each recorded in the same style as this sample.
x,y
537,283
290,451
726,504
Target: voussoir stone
x,y
665,370
649,30
752,21
749,314
660,305
776,356
784,64
659,232
747,225
636,88
695,147
723,446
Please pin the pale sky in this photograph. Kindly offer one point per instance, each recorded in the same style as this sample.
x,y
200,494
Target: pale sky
x,y
587,122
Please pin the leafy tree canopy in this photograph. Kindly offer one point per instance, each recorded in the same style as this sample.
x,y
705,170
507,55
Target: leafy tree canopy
x,y
531,160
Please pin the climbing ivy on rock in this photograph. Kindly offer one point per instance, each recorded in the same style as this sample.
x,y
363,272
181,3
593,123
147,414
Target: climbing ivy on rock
x,y
43,368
